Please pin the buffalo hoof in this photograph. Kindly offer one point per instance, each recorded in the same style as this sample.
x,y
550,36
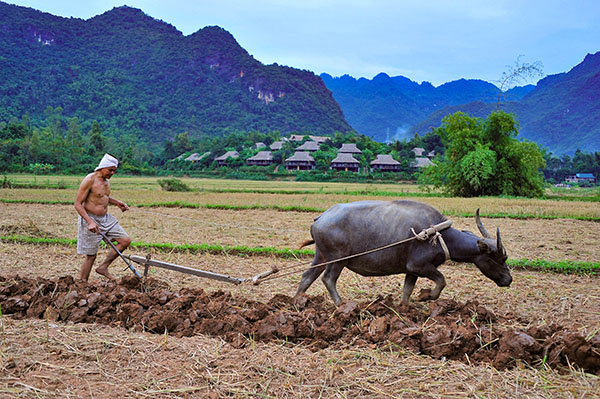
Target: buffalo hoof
x,y
425,295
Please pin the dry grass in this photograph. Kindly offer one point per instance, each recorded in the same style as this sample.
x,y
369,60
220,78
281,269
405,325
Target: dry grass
x,y
46,360
39,359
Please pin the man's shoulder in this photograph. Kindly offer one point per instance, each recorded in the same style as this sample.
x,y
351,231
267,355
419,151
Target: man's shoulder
x,y
89,179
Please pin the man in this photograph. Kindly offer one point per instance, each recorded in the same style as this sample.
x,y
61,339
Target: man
x,y
91,203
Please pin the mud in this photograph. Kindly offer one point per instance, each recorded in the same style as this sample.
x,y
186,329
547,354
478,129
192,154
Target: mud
x,y
444,329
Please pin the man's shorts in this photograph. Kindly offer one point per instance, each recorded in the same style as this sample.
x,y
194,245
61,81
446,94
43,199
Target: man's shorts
x,y
88,242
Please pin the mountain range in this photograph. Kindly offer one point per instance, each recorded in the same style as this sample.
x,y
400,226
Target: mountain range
x,y
561,113
138,75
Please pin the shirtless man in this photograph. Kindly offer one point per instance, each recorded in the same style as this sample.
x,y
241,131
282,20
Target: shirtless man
x,y
91,203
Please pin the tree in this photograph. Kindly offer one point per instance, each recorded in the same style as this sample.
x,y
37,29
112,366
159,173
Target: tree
x,y
97,141
484,157
517,74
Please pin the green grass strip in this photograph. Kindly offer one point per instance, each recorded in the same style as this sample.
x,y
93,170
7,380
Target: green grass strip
x,y
565,266
293,208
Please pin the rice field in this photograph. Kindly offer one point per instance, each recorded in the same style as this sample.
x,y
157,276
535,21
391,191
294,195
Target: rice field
x,y
41,358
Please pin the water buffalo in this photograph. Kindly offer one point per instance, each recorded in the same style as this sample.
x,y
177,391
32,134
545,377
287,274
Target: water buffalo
x,y
356,227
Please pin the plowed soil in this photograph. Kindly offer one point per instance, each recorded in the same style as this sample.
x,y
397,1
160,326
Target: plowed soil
x,y
194,337
444,329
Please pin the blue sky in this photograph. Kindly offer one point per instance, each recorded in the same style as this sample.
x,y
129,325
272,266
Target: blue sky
x,y
436,41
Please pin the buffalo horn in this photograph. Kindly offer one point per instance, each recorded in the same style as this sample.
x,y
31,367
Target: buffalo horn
x,y
499,241
480,225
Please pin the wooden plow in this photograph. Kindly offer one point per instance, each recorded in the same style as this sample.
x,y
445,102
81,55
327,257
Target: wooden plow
x,y
147,262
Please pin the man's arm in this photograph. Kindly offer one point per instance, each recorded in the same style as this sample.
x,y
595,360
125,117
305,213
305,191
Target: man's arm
x,y
122,206
82,194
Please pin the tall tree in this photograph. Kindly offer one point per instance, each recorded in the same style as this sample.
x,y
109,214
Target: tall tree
x,y
484,157
97,141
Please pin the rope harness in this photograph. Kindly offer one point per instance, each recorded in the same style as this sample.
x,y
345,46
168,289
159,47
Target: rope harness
x,y
433,233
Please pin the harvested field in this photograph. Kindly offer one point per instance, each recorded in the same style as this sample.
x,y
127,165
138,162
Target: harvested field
x,y
183,336
529,238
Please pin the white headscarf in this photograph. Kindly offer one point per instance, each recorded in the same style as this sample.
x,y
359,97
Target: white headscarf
x,y
107,162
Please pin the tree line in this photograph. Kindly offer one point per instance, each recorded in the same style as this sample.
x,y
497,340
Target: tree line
x,y
474,156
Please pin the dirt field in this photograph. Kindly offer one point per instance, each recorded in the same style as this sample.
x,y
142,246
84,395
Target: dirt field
x,y
181,336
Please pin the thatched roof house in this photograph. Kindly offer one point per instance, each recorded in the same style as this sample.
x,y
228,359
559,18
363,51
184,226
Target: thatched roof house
x,y
262,158
309,146
300,137
421,162
222,160
345,161
301,160
385,163
418,151
349,148
276,145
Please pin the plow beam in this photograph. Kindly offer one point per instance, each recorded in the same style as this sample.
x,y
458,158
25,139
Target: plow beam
x,y
146,261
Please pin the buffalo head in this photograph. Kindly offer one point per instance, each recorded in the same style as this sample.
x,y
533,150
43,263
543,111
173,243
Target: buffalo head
x,y
492,256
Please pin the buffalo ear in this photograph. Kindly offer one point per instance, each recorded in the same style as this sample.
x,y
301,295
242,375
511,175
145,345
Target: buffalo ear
x,y
483,247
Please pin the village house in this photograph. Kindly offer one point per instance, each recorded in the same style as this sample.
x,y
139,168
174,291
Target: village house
x,y
195,157
309,146
259,145
418,151
224,159
276,145
301,160
385,163
263,158
345,161
581,178
349,148
421,162
300,137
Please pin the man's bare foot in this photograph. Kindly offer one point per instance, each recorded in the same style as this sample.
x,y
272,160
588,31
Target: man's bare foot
x,y
105,273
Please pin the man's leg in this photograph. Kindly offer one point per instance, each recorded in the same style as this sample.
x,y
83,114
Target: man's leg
x,y
122,244
86,268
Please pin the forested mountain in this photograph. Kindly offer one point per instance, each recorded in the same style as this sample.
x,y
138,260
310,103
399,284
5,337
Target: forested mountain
x,y
561,113
138,75
385,107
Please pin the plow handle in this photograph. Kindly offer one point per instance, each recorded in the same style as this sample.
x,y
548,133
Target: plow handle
x,y
109,242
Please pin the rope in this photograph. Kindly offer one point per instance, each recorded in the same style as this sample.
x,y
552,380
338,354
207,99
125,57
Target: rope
x,y
340,259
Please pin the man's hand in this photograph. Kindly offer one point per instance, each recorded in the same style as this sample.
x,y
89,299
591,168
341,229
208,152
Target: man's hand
x,y
93,227
122,206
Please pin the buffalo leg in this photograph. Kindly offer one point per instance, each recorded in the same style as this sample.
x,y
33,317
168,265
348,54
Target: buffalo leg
x,y
332,273
409,285
309,276
432,273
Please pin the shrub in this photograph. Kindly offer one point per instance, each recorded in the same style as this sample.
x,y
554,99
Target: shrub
x,y
6,183
173,185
